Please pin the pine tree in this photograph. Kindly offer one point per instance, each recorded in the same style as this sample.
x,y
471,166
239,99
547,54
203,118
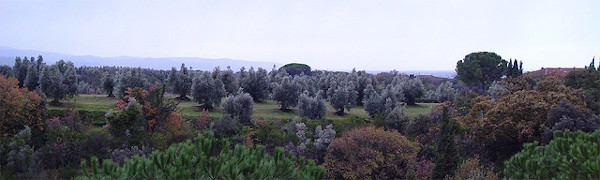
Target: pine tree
x,y
447,158
207,157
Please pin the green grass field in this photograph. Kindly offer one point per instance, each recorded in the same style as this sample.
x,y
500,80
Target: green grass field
x,y
189,109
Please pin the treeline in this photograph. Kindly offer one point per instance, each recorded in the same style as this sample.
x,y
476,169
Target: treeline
x,y
493,121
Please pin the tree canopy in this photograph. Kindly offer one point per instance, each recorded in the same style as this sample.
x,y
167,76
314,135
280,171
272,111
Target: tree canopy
x,y
481,69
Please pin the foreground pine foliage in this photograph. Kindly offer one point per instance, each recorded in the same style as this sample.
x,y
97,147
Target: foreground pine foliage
x,y
571,155
207,158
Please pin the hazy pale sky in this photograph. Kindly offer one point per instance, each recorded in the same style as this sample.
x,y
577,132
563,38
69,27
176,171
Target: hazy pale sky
x,y
328,34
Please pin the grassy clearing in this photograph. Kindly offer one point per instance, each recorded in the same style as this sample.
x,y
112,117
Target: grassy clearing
x,y
189,109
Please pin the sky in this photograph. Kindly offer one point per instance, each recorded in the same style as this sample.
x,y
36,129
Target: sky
x,y
326,34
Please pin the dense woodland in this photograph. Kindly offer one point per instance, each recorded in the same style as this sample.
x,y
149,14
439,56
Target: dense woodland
x,y
491,121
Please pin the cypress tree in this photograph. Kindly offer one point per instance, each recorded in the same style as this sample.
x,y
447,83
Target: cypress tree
x,y
509,69
447,158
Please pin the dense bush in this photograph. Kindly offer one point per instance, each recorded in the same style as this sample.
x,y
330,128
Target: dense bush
x,y
571,155
503,125
207,158
567,117
370,153
472,169
19,108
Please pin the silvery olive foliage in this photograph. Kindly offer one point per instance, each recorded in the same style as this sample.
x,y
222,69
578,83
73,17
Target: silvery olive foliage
x,y
129,78
207,91
342,95
286,92
59,80
311,107
255,83
325,136
382,103
180,81
497,90
229,81
412,87
239,107
445,92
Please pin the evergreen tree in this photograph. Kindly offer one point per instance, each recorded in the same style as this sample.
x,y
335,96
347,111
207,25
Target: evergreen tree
x,y
20,69
207,157
180,82
108,84
207,91
286,93
481,68
447,158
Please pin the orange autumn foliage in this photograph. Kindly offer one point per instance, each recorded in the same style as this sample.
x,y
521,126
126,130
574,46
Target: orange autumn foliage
x,y
18,107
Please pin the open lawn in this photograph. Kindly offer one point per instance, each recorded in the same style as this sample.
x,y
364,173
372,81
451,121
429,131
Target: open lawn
x,y
189,109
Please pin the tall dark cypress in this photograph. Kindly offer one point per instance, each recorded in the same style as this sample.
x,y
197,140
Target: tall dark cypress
x,y
516,69
509,69
447,158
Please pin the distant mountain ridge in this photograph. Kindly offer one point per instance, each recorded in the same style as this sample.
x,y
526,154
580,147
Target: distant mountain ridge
x,y
7,57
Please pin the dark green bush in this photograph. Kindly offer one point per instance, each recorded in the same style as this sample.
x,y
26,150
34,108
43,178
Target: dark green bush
x,y
570,155
207,158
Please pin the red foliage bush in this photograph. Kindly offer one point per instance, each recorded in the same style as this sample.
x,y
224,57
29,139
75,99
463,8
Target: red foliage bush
x,y
18,107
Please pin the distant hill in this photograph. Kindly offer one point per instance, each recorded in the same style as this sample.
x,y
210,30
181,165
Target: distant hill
x,y
7,57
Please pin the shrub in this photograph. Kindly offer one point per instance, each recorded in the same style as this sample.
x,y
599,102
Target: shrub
x,y
208,158
571,155
19,108
472,169
567,117
370,153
